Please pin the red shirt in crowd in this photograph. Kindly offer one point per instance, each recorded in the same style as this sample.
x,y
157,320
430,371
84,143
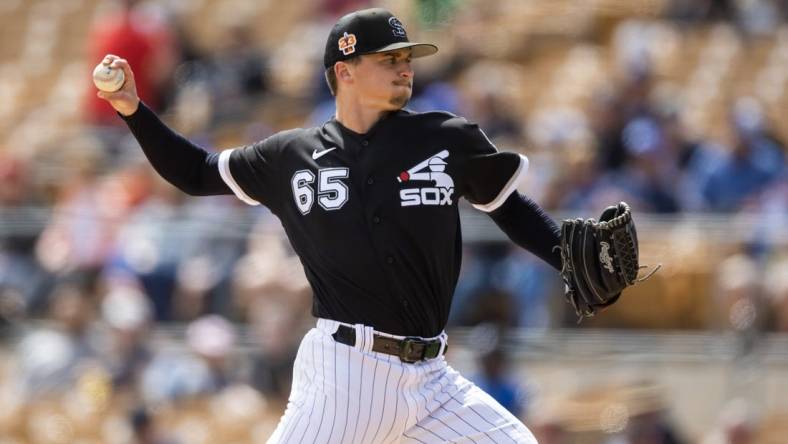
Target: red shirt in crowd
x,y
140,39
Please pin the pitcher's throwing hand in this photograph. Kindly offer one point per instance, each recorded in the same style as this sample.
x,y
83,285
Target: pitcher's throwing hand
x,y
125,99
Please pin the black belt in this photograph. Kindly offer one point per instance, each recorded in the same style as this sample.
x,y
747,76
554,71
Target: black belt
x,y
410,349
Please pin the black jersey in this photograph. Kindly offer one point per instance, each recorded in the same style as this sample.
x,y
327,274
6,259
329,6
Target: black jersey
x,y
373,217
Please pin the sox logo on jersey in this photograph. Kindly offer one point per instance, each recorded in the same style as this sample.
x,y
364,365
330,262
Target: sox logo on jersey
x,y
433,170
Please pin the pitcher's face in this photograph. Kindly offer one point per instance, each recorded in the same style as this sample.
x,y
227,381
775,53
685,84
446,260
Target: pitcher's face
x,y
384,80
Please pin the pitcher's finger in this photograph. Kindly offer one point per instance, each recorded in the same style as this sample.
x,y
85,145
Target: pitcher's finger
x,y
108,59
107,95
124,65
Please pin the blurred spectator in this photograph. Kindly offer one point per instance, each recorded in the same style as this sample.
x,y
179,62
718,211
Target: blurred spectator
x,y
548,421
241,66
127,313
679,145
736,424
210,253
147,250
647,174
755,159
145,430
494,374
648,428
740,297
15,196
630,97
503,285
83,225
436,95
776,287
758,17
647,421
549,432
439,89
607,123
496,379
179,250
771,208
637,85
486,93
213,338
52,356
23,283
497,118
205,370
490,289
271,287
576,179
698,10
234,76
139,34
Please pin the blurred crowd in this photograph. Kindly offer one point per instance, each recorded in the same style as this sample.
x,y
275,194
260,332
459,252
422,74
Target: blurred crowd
x,y
96,250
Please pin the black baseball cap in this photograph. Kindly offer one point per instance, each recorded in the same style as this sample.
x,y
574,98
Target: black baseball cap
x,y
369,31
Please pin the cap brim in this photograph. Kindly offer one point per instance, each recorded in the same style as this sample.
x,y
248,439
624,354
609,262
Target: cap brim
x,y
417,49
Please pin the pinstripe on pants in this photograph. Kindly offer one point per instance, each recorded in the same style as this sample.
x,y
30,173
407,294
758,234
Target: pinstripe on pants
x,y
344,394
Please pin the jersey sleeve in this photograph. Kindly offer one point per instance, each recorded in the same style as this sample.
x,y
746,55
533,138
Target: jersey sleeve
x,y
250,171
488,176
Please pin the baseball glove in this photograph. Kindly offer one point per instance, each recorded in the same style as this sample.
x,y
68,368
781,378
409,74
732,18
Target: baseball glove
x,y
600,259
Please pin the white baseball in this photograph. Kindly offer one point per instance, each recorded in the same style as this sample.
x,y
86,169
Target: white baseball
x,y
108,79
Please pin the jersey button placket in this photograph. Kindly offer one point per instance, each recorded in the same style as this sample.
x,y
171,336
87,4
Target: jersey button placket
x,y
370,181
365,142
390,260
375,219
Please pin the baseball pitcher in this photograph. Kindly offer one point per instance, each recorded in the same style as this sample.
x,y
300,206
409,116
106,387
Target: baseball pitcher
x,y
369,203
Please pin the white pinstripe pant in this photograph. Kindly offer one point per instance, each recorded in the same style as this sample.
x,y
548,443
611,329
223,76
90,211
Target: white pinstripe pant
x,y
344,394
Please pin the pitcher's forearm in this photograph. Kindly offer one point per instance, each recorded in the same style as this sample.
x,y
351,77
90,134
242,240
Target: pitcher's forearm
x,y
187,166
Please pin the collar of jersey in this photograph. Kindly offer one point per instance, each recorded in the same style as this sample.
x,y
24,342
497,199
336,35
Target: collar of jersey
x,y
371,131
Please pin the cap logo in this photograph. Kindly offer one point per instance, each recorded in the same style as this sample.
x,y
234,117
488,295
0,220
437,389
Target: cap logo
x,y
397,27
347,44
